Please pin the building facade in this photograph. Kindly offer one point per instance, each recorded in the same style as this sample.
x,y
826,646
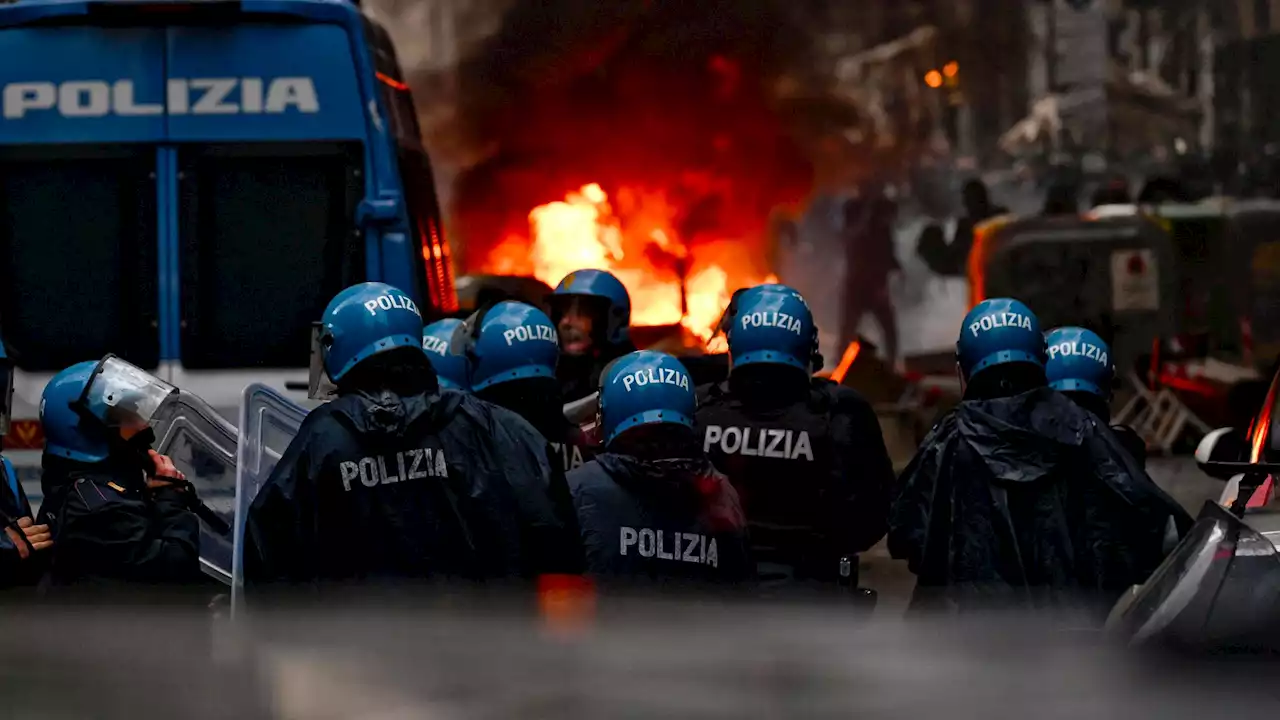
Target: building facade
x,y
1247,98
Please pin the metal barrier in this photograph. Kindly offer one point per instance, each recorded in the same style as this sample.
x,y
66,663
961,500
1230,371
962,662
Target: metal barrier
x,y
1158,416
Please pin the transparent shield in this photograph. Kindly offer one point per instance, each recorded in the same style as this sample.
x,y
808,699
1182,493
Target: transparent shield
x,y
120,393
268,423
202,444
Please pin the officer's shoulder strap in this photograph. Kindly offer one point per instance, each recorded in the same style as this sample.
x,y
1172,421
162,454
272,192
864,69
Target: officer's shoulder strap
x,y
12,477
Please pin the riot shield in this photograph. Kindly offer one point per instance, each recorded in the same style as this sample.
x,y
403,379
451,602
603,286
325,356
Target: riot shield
x,y
268,423
202,444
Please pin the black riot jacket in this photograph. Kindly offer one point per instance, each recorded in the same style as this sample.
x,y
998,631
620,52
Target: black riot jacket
x,y
382,487
111,531
538,401
650,524
812,471
1027,501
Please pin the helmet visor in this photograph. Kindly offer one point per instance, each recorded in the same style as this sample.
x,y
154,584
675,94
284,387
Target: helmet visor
x,y
319,386
121,394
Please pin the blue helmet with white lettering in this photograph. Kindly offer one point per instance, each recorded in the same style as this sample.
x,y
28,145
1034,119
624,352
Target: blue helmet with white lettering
x,y
997,332
611,292
1079,361
451,369
69,433
362,321
90,403
645,388
772,324
509,341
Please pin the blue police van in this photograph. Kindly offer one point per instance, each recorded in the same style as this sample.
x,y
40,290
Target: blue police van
x,y
187,184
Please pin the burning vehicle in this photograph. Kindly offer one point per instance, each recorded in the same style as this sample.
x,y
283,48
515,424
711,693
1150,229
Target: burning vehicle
x,y
656,140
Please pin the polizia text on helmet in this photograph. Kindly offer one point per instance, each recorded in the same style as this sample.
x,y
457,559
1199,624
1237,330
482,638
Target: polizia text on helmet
x,y
1084,349
655,376
987,323
782,320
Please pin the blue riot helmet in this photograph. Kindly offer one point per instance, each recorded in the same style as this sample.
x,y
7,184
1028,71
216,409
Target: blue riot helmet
x,y
67,433
509,341
1079,361
603,290
86,404
772,324
362,321
451,369
6,390
645,388
997,332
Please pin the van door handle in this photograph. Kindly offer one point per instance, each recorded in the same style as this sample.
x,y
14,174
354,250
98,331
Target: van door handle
x,y
296,385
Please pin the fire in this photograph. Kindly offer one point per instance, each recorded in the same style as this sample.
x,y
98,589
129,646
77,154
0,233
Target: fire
x,y
632,235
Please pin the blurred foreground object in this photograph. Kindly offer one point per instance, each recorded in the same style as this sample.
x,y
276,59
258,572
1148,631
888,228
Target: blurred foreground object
x,y
644,660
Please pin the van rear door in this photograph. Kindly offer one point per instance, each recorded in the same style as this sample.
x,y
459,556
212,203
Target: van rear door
x,y
79,212
266,195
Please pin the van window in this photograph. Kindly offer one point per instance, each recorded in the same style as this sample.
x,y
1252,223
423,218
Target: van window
x,y
267,237
78,255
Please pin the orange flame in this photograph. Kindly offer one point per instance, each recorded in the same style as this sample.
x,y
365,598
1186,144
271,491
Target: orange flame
x,y
634,237
846,361
1261,426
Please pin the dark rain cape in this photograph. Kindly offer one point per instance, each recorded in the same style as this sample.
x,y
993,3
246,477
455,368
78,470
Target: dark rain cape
x,y
1027,501
649,524
389,488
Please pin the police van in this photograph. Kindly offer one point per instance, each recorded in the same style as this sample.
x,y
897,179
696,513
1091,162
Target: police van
x,y
186,184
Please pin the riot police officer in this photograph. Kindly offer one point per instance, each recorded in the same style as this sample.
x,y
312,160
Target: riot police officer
x,y
1018,496
1079,366
394,481
806,455
512,353
592,313
22,560
451,369
121,513
653,510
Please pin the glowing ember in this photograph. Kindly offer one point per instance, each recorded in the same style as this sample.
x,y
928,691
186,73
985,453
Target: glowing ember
x,y
635,239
